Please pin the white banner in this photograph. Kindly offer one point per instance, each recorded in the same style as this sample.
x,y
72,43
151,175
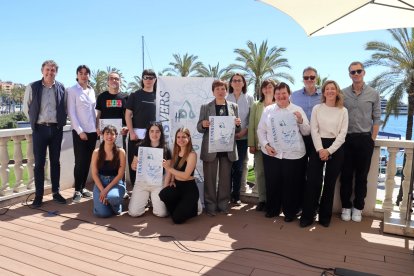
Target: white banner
x,y
179,100
117,123
221,132
149,167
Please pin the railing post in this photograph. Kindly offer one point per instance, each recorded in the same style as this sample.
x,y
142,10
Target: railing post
x,y
407,177
4,170
390,178
18,164
30,161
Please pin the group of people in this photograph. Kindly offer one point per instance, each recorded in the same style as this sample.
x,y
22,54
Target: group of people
x,y
292,136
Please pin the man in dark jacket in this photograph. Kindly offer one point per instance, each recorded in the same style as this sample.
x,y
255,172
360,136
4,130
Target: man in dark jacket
x,y
45,106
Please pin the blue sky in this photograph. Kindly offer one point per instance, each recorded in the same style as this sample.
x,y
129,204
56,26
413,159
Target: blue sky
x,y
108,33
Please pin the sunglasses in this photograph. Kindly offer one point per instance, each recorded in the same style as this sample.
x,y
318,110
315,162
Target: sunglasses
x,y
309,77
237,81
359,71
149,78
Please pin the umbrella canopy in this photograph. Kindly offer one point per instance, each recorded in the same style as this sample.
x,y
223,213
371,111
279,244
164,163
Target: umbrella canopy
x,y
324,17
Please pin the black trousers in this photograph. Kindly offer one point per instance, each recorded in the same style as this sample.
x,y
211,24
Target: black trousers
x,y
181,201
310,148
283,181
315,178
83,154
358,153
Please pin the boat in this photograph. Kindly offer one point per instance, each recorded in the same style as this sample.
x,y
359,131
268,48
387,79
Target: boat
x,y
402,107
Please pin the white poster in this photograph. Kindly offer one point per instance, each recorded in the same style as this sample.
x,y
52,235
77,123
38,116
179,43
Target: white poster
x,y
149,167
117,123
179,100
221,132
286,135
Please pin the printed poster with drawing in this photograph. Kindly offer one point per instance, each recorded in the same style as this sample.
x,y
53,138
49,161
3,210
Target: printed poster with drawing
x,y
221,132
117,123
149,167
285,130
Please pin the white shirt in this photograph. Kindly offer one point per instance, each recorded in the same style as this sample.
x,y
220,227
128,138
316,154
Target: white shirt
x,y
329,122
81,108
265,135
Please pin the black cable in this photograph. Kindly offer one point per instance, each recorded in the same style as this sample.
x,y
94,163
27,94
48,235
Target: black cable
x,y
180,245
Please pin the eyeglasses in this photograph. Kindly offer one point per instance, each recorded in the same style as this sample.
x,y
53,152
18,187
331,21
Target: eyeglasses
x,y
237,81
309,77
359,71
148,78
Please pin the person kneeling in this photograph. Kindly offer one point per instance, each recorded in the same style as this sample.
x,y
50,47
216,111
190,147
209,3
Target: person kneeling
x,y
108,168
181,195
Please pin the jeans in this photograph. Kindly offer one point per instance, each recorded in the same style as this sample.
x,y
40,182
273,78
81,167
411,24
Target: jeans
x,y
47,137
114,197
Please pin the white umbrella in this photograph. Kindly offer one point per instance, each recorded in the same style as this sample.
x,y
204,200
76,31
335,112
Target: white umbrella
x,y
324,17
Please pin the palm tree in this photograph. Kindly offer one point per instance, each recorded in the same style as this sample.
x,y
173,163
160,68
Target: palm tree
x,y
320,81
398,78
134,85
183,66
261,63
214,72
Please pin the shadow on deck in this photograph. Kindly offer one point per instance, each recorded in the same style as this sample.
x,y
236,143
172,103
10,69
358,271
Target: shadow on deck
x,y
36,242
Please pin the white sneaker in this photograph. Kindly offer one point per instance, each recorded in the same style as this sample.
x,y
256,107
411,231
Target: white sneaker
x,y
346,214
356,215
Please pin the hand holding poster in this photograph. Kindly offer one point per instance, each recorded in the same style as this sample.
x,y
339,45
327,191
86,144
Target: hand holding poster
x,y
117,123
285,131
222,129
149,168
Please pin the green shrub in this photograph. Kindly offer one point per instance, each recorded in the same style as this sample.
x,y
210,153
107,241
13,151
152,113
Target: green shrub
x,y
10,120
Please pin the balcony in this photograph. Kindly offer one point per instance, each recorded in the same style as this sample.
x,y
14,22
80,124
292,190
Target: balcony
x,y
68,239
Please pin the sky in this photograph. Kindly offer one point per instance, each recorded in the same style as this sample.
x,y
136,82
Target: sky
x,y
101,33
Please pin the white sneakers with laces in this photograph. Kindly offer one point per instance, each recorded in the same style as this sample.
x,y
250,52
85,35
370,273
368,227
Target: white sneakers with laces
x,y
356,214
346,214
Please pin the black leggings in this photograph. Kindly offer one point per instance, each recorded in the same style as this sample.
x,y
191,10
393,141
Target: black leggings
x,y
181,201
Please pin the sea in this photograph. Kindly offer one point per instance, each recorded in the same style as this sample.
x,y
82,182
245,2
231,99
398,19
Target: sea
x,y
395,125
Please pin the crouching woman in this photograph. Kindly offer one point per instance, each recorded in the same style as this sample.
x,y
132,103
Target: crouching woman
x,y
108,167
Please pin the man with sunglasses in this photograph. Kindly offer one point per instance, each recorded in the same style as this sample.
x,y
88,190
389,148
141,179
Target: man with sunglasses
x,y
307,98
140,112
364,109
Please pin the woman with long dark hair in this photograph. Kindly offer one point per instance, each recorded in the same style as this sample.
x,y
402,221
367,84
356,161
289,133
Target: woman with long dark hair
x,y
108,168
181,194
154,137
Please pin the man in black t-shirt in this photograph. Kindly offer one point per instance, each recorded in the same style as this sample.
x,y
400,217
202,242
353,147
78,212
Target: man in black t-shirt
x,y
140,112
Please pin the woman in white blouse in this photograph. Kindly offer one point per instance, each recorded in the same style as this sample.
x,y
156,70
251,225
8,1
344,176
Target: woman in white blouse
x,y
280,133
329,125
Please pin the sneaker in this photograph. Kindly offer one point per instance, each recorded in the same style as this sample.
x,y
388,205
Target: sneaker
x,y
346,214
37,202
237,202
86,193
356,215
77,197
59,199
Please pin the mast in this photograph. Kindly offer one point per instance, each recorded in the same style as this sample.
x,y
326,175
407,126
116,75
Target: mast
x,y
142,47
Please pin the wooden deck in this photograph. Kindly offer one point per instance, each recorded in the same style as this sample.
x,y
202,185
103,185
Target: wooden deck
x,y
34,242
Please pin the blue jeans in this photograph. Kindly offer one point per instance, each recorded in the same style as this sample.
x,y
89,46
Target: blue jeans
x,y
114,198
46,137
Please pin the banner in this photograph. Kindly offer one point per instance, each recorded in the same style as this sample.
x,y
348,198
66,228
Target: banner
x,y
179,100
149,167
